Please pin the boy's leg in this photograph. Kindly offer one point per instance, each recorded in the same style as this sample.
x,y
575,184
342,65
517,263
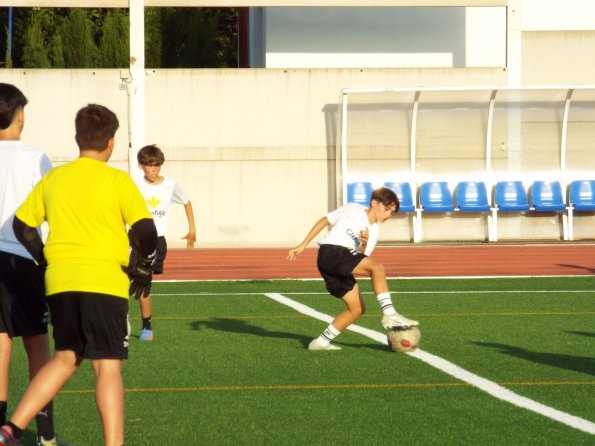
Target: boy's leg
x,y
355,308
38,354
5,355
44,386
109,395
146,333
371,268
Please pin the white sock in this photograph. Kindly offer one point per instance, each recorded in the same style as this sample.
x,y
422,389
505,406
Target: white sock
x,y
328,335
386,303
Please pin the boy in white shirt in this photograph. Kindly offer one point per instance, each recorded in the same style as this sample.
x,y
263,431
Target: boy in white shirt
x,y
160,193
23,309
344,252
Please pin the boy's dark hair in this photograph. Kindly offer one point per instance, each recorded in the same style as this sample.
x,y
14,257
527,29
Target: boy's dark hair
x,y
95,126
150,156
11,101
386,196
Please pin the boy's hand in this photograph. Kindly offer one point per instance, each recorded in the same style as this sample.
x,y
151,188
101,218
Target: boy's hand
x,y
190,240
293,253
363,236
140,272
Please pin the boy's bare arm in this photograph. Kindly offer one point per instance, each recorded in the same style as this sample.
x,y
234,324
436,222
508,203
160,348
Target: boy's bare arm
x,y
191,236
318,226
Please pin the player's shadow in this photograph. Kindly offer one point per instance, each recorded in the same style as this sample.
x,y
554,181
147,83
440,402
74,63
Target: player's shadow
x,y
581,333
371,346
581,364
568,265
243,327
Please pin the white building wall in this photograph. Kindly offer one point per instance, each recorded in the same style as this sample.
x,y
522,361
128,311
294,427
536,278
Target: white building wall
x,y
255,148
384,37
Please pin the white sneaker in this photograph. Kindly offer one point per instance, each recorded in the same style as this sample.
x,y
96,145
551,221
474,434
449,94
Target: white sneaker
x,y
396,320
315,345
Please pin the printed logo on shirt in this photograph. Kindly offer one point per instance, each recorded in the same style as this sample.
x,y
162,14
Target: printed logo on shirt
x,y
355,239
153,202
353,236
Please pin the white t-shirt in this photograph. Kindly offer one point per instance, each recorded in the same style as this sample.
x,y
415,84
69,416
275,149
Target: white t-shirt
x,y
159,198
21,168
347,222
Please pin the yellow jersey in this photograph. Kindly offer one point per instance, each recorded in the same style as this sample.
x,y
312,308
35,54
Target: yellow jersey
x,y
87,205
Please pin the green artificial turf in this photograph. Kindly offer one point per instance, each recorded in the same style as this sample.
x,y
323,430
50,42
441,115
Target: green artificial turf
x,y
229,366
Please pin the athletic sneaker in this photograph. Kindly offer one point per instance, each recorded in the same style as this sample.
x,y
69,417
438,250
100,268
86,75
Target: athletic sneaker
x,y
146,335
39,441
315,345
6,438
396,320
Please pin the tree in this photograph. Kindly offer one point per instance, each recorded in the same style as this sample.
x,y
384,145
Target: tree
x,y
115,41
199,37
35,53
99,37
153,37
79,48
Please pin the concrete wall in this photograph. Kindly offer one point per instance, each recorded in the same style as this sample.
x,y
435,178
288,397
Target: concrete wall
x,y
254,149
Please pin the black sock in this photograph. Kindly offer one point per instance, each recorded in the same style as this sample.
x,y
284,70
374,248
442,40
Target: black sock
x,y
17,432
147,322
45,422
3,407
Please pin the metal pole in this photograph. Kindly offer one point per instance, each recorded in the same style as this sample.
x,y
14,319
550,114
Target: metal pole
x,y
344,148
9,43
137,83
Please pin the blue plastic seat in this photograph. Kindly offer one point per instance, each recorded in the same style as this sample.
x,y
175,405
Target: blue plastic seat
x,y
510,196
472,196
582,195
546,196
581,198
403,191
435,196
359,192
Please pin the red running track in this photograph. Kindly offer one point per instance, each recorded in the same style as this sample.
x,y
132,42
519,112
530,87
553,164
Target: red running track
x,y
399,261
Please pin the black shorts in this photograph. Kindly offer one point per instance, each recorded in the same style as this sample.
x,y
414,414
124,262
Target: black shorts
x,y
92,325
23,308
160,253
336,265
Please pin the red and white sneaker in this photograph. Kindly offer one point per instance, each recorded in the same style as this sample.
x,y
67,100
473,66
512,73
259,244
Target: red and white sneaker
x,y
6,437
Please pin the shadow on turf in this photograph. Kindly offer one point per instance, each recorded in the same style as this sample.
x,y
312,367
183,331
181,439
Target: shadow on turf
x,y
240,326
580,364
581,333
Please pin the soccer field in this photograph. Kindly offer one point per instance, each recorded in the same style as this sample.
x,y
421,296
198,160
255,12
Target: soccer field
x,y
502,361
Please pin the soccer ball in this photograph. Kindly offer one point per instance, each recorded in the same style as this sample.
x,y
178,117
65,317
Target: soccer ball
x,y
403,339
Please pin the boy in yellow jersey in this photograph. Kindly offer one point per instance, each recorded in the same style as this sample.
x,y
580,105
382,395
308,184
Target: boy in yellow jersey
x,y
89,275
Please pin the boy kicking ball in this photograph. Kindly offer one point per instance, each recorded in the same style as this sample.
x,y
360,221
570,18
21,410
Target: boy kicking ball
x,y
344,252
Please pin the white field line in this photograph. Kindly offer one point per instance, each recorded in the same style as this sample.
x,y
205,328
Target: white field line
x,y
205,294
449,368
310,279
